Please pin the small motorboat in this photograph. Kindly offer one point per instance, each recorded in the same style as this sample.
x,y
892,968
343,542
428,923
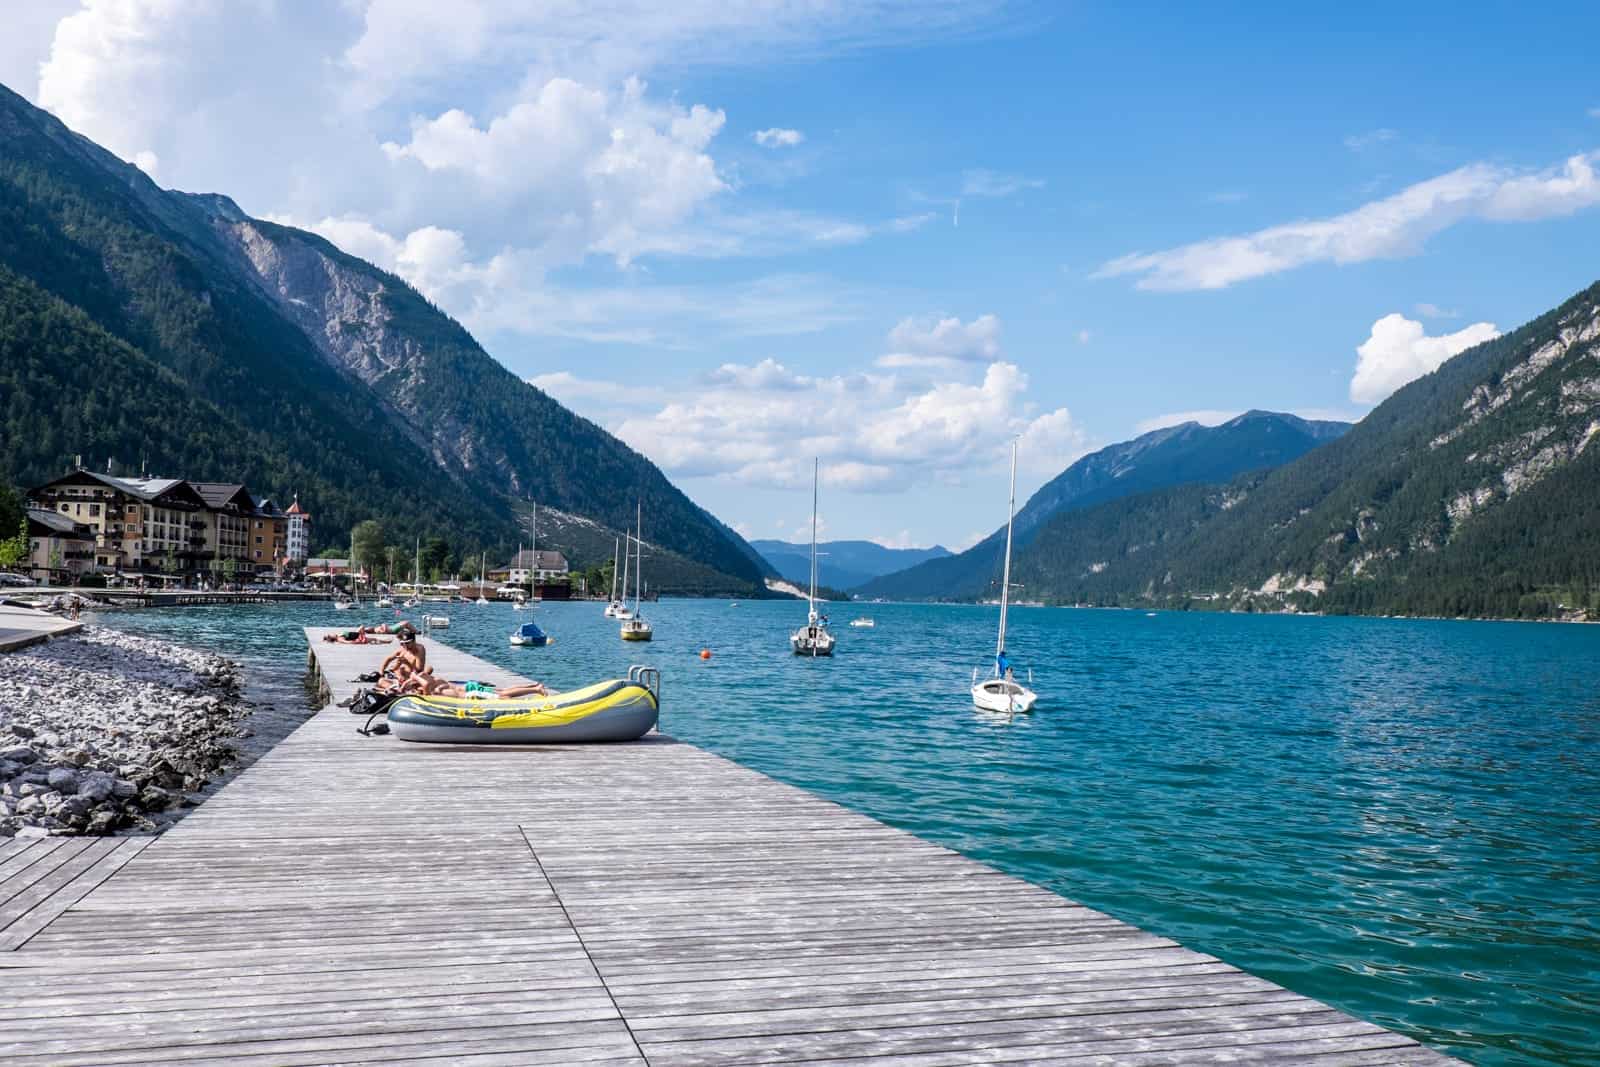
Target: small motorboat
x,y
615,710
343,604
519,604
863,623
636,629
436,622
530,634
385,602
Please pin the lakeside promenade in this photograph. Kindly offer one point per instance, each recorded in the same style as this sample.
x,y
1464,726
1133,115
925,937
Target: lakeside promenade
x,y
351,899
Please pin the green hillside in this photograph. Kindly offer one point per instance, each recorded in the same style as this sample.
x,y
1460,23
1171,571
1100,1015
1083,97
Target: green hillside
x,y
448,442
1474,490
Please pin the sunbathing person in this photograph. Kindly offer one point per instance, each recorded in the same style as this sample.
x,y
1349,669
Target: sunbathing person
x,y
358,636
405,663
427,685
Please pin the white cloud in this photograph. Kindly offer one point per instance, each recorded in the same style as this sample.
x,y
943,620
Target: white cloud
x,y
1594,112
992,184
1434,311
1390,228
1084,336
938,342
478,145
968,541
1228,196
1360,142
901,540
778,138
759,425
30,27
1398,351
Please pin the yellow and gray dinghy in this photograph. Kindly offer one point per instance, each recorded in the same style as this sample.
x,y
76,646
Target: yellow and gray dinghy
x,y
615,710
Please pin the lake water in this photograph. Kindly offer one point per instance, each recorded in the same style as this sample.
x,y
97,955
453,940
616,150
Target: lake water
x,y
1398,817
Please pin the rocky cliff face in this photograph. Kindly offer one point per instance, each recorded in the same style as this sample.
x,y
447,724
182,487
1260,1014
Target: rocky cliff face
x,y
345,312
1473,490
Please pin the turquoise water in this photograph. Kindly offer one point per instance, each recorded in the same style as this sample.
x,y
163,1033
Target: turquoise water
x,y
1399,817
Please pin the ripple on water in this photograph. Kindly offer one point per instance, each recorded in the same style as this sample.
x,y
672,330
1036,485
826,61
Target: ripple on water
x,y
1399,817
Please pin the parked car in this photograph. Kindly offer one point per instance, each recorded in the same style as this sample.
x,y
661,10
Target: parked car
x,y
7,578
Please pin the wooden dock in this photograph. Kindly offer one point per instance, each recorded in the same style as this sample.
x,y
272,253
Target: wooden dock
x,y
364,900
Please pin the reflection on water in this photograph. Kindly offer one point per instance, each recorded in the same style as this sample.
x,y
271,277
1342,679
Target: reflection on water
x,y
1396,817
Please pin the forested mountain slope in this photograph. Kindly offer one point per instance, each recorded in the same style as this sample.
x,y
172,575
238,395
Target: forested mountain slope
x,y
1474,490
1174,455
338,381
842,564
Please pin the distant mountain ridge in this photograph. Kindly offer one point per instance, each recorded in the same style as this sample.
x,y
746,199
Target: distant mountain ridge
x,y
842,564
1474,490
1174,455
300,369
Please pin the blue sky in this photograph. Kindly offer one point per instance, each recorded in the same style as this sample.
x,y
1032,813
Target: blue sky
x,y
892,235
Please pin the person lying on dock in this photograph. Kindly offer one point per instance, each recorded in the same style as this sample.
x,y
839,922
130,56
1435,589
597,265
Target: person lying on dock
x,y
358,636
427,685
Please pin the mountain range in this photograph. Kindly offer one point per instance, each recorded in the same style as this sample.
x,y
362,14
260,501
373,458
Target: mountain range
x,y
841,564
1188,453
1474,490
156,330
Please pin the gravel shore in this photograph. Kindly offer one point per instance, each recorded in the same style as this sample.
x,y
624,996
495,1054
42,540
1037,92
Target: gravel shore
x,y
107,732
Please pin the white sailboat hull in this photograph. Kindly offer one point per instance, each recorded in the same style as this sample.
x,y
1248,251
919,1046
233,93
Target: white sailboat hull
x,y
812,641
1002,696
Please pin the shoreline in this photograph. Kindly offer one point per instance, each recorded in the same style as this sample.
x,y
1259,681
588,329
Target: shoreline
x,y
110,733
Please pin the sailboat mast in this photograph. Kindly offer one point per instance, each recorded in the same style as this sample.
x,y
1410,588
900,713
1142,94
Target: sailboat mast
x,y
638,566
1005,581
616,546
811,601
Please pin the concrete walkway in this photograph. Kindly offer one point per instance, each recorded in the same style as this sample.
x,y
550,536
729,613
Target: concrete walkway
x,y
21,627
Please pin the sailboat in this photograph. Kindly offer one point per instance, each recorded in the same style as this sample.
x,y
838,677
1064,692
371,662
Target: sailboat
x,y
813,639
1001,691
634,628
616,607
519,601
620,609
483,568
533,583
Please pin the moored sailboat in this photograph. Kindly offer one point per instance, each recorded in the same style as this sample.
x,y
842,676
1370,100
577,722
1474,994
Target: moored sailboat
x,y
615,606
814,638
634,626
1001,692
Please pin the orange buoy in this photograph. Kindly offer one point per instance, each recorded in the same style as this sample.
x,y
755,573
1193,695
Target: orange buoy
x,y
705,653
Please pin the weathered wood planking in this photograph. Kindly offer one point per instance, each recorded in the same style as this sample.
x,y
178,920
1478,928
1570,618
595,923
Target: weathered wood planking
x,y
352,899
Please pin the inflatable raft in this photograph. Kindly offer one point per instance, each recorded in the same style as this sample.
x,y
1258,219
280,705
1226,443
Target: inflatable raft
x,y
615,710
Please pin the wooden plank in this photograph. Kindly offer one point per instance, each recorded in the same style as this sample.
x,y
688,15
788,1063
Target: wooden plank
x,y
84,878
350,899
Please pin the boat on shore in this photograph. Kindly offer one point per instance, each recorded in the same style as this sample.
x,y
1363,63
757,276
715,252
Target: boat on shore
x,y
614,710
